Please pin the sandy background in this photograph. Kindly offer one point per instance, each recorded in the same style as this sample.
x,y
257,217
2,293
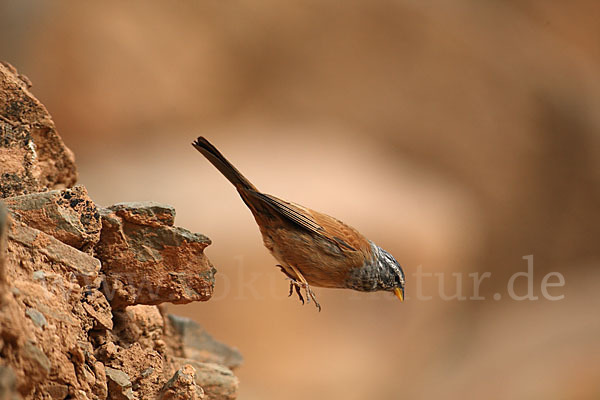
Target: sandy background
x,y
461,136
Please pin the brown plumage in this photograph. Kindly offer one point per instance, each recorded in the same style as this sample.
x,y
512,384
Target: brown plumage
x,y
314,249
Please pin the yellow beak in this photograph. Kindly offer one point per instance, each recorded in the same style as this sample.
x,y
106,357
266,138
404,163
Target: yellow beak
x,y
399,293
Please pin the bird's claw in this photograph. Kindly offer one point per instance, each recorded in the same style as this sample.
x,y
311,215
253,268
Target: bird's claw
x,y
298,286
295,285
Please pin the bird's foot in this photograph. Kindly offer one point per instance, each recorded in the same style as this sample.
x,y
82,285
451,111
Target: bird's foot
x,y
299,286
310,294
296,285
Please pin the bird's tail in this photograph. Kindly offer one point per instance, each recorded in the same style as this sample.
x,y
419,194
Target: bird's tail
x,y
222,164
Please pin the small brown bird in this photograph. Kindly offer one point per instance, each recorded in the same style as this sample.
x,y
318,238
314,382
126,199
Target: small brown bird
x,y
313,248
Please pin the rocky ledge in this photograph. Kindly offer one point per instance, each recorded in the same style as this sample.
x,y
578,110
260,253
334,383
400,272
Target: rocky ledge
x,y
81,285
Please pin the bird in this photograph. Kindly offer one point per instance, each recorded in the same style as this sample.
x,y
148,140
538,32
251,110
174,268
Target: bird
x,y
313,249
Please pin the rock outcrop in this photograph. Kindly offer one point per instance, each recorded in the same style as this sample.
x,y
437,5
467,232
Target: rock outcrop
x,y
201,346
68,215
182,386
33,156
146,260
80,284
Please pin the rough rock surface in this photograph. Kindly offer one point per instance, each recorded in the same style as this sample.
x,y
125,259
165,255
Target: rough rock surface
x,y
69,215
60,337
201,346
44,326
32,155
182,386
3,225
217,381
148,261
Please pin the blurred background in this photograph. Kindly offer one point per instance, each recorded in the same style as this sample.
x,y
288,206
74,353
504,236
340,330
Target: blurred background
x,y
461,136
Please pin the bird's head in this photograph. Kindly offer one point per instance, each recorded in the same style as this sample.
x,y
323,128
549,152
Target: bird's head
x,y
391,275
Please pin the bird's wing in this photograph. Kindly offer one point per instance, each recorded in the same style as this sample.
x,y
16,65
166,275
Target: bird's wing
x,y
344,236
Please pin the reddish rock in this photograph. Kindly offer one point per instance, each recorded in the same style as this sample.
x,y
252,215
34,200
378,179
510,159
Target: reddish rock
x,y
67,261
97,307
141,324
69,215
148,261
147,213
3,225
59,335
44,327
182,386
119,385
32,155
137,349
217,381
8,384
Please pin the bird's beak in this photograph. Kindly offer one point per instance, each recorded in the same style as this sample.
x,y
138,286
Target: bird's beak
x,y
399,293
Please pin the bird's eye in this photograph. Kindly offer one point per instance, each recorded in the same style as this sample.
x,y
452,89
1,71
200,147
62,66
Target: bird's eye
x,y
397,280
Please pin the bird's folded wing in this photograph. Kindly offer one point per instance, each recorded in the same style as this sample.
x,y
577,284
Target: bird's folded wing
x,y
305,219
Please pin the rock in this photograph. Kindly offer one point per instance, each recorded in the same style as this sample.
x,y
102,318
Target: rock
x,y
137,348
100,385
48,279
139,324
36,355
26,360
182,386
3,220
84,341
118,377
83,267
38,275
148,261
96,305
37,317
217,381
32,155
57,391
199,345
144,366
69,215
8,384
59,336
3,224
119,385
147,213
